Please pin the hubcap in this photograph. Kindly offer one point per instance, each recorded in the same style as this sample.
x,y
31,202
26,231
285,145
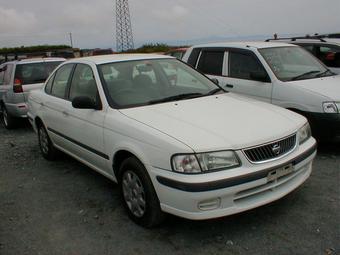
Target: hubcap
x,y
133,192
43,140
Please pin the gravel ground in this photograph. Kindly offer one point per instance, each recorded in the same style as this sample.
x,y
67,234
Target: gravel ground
x,y
64,207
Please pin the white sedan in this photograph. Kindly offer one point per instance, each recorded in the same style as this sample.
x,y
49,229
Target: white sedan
x,y
176,145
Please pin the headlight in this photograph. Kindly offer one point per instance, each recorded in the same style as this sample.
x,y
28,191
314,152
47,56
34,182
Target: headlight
x,y
304,133
202,162
331,107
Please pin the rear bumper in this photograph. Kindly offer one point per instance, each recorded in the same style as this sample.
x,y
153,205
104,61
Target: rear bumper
x,y
17,110
221,196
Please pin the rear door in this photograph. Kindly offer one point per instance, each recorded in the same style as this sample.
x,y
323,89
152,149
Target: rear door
x,y
2,85
6,89
55,104
84,127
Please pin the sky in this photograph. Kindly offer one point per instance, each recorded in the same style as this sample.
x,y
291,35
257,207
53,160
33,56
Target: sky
x,y
92,23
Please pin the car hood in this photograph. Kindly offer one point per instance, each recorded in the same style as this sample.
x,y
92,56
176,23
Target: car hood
x,y
326,86
226,121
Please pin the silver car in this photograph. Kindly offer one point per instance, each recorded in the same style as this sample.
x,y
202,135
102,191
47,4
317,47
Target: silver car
x,y
17,79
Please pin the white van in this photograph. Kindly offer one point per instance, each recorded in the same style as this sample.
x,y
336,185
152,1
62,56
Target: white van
x,y
278,73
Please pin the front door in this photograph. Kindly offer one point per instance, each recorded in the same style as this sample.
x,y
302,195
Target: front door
x,y
247,76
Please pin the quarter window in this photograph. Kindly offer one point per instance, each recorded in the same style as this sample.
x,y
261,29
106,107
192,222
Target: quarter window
x,y
8,74
211,62
61,80
49,83
243,65
2,73
83,83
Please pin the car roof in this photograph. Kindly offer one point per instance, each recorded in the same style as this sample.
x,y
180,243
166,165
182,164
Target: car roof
x,y
103,59
34,60
334,41
244,45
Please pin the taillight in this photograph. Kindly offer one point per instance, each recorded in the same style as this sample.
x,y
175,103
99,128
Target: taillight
x,y
17,87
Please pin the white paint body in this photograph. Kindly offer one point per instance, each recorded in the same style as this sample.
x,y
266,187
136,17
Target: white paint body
x,y
155,133
303,95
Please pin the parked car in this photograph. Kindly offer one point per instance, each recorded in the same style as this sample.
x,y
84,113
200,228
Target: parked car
x,y
17,79
177,53
325,49
277,73
188,149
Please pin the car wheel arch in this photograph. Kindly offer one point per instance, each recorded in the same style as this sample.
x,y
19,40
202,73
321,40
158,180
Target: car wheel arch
x,y
119,158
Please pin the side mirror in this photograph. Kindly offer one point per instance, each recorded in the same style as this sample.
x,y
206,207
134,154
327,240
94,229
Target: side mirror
x,y
259,76
214,80
83,102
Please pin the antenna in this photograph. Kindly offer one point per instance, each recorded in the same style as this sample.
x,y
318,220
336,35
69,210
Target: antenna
x,y
123,26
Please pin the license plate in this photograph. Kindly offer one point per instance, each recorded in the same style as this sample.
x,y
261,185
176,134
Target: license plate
x,y
277,173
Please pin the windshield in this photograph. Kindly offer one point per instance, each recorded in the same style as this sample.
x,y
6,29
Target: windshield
x,y
293,63
35,72
143,82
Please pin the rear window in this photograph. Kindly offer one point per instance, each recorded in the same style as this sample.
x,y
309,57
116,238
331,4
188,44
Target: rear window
x,y
35,72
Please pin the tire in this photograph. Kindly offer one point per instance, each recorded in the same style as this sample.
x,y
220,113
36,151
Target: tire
x,y
138,194
46,146
8,121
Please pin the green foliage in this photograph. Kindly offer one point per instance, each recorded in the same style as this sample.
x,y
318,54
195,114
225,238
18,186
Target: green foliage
x,y
32,49
153,47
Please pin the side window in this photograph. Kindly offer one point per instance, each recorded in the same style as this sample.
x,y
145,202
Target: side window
x,y
211,62
83,83
49,83
2,74
8,74
244,66
329,55
61,80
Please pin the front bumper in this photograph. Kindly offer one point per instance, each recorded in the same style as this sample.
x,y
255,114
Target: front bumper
x,y
324,124
228,192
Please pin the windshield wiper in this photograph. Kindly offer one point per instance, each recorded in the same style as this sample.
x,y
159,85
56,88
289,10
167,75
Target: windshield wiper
x,y
303,75
324,73
214,91
175,98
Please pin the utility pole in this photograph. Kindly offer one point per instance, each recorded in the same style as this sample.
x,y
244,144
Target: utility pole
x,y
124,34
71,41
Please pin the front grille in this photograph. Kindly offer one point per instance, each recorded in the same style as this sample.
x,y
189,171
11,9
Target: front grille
x,y
271,151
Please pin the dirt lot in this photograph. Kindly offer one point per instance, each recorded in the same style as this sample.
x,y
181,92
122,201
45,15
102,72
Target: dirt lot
x,y
63,207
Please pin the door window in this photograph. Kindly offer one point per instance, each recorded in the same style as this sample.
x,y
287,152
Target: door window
x,y
211,62
61,80
83,83
244,66
329,55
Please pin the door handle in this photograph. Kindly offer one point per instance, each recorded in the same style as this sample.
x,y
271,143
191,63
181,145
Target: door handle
x,y
229,86
65,113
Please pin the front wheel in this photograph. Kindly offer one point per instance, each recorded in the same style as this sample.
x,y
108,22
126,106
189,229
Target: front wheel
x,y
46,146
138,194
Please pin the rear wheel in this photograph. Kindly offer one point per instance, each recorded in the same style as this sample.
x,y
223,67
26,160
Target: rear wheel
x,y
138,194
7,120
47,148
